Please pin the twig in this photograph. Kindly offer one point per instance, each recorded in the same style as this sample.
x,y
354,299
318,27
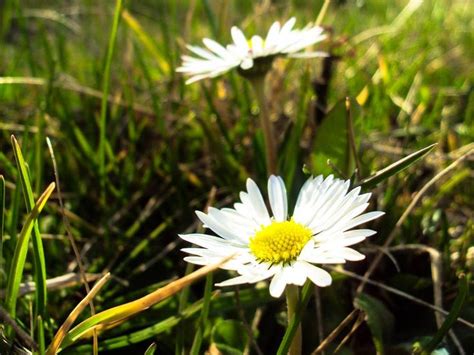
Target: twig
x,y
335,332
436,263
399,293
405,214
355,326
247,326
22,335
319,314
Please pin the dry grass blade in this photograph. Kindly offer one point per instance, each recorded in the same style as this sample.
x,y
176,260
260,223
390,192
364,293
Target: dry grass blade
x,y
407,212
70,84
62,331
116,314
59,282
322,13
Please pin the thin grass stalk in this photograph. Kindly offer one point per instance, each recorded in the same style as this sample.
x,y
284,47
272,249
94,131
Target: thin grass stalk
x,y
322,12
182,303
105,94
2,223
196,347
463,290
351,143
258,84
68,227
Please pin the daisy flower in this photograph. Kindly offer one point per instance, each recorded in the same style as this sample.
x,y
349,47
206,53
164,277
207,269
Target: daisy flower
x,y
252,56
283,248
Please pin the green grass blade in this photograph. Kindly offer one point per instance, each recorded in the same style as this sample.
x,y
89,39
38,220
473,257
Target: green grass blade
x,y
295,321
146,40
105,94
38,253
195,349
2,214
40,332
395,168
211,17
19,257
463,286
151,349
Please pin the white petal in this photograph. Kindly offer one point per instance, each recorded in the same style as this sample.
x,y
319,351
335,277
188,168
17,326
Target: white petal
x,y
257,202
287,26
351,254
272,36
207,241
296,274
304,196
246,63
197,260
277,285
317,275
239,38
359,233
216,48
239,280
202,52
361,219
229,221
257,46
220,229
318,255
278,198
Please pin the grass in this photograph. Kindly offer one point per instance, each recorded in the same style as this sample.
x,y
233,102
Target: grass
x,y
138,151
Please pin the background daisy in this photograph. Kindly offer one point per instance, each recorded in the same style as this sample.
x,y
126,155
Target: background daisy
x,y
252,56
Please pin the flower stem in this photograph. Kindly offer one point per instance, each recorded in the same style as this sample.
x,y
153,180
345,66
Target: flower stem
x,y
292,303
258,84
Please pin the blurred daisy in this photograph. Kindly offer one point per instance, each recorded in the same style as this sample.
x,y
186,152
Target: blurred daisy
x,y
282,248
251,57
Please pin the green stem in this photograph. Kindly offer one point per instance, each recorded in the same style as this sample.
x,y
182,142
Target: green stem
x,y
258,84
292,303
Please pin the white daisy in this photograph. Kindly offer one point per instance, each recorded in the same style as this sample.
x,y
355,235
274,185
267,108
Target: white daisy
x,y
284,249
252,56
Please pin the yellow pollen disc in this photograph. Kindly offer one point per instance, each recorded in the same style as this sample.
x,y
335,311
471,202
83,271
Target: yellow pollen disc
x,y
279,242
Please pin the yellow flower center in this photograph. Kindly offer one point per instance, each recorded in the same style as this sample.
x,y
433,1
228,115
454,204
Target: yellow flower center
x,y
279,242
